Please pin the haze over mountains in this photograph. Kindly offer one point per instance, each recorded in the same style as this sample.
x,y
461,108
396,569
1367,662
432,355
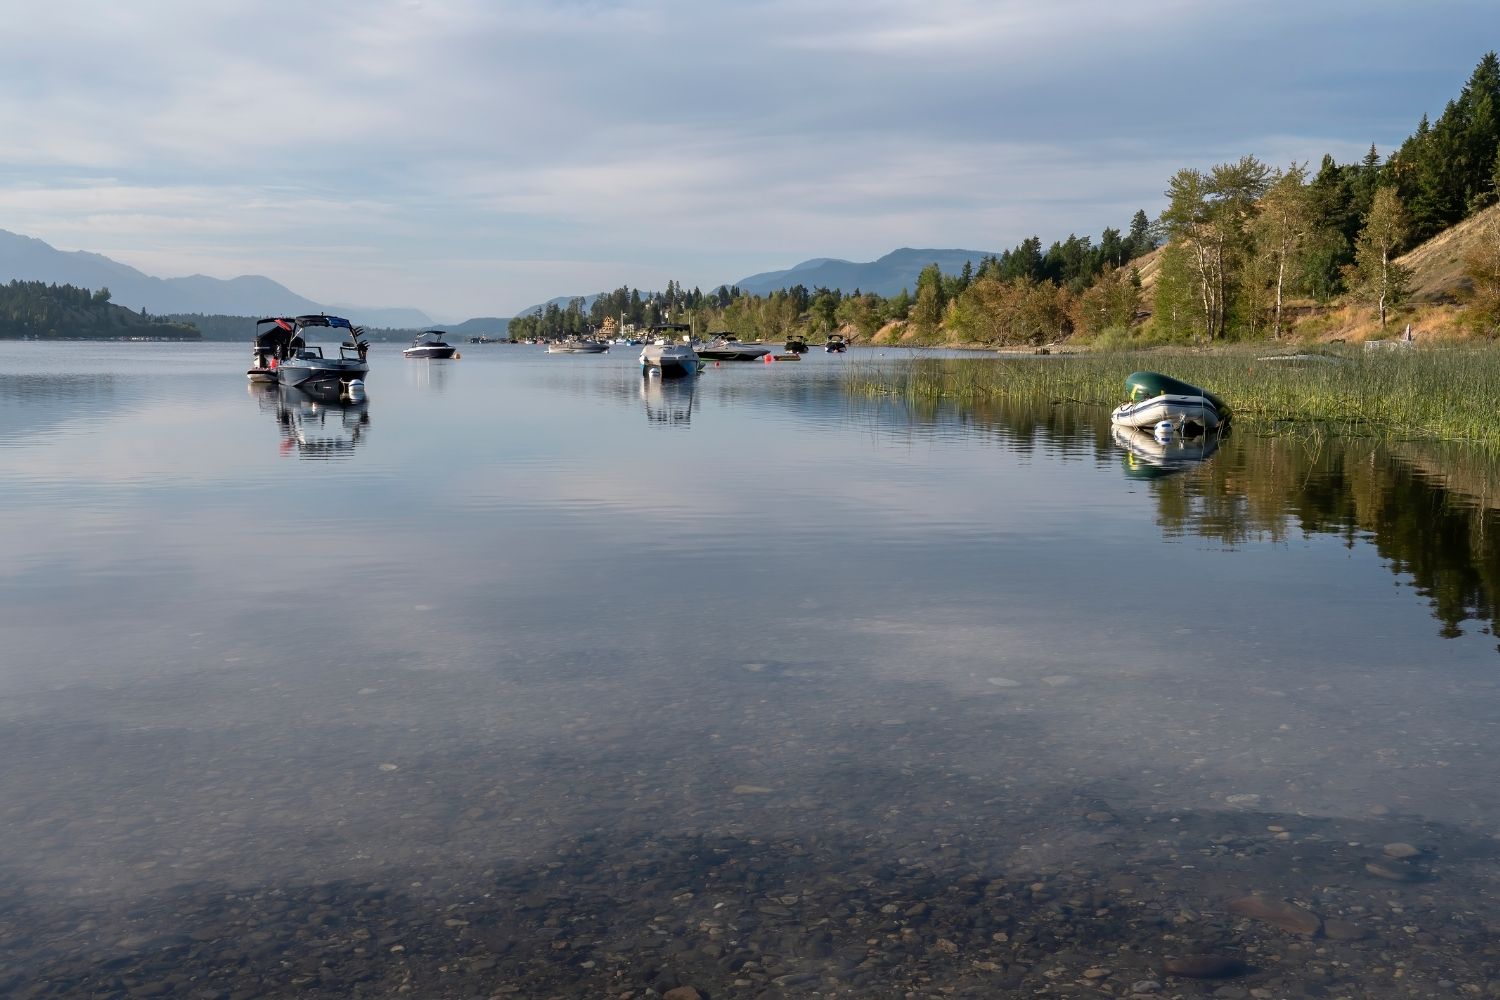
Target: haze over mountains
x,y
887,276
26,258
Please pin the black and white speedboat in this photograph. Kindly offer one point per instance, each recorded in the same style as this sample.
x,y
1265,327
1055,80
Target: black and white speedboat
x,y
270,347
728,347
306,363
429,344
836,344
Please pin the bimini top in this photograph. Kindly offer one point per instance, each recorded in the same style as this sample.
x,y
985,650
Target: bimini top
x,y
277,335
337,322
429,338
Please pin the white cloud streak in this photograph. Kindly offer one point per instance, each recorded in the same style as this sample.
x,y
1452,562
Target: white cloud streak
x,y
444,141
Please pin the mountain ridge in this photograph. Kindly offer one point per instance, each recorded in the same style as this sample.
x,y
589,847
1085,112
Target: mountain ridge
x,y
27,258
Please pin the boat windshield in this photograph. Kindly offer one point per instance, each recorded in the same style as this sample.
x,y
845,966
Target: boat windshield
x,y
429,337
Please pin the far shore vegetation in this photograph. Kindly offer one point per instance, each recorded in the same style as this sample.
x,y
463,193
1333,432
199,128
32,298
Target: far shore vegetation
x,y
1244,251
35,310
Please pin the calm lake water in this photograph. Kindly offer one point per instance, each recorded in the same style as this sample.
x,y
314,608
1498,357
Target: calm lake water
x,y
529,677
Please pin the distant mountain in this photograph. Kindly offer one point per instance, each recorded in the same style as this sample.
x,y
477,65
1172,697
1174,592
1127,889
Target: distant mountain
x,y
25,258
886,276
490,326
561,302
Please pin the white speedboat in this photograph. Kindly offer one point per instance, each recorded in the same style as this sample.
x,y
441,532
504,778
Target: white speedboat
x,y
728,347
671,353
306,363
429,344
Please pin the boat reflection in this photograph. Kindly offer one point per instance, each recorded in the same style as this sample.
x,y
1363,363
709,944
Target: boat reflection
x,y
1150,457
320,423
669,402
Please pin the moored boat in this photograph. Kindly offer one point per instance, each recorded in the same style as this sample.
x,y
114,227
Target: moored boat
x,y
796,344
836,344
430,344
728,347
1155,398
671,353
270,347
306,363
576,345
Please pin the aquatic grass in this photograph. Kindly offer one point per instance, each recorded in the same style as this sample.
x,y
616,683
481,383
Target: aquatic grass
x,y
1440,394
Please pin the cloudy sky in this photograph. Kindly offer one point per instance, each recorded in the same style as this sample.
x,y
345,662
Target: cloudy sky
x,y
473,157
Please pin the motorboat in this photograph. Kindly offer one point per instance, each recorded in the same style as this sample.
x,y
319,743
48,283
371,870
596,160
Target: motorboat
x,y
796,344
306,363
670,354
576,345
836,344
1156,398
1157,456
429,344
728,347
270,347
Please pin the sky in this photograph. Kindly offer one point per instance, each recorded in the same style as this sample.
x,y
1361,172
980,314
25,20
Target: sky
x,y
475,157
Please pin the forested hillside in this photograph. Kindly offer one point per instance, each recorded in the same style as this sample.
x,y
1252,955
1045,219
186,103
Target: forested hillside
x,y
1243,250
36,310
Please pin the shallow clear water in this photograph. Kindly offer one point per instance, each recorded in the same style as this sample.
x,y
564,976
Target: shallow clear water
x,y
589,659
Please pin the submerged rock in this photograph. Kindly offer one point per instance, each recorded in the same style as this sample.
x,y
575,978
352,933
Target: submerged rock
x,y
1278,913
1203,967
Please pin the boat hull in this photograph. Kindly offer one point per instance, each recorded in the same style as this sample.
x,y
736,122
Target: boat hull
x,y
298,372
736,354
1182,411
445,351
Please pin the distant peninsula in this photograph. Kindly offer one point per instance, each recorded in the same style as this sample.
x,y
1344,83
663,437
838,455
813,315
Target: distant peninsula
x,y
34,310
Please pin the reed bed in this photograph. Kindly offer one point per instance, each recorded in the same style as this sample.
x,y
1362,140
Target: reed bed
x,y
1440,394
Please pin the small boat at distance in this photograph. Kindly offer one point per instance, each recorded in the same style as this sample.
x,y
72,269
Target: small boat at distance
x,y
836,344
1156,398
576,345
430,344
796,344
728,347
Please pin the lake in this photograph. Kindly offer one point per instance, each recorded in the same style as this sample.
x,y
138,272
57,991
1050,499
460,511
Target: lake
x,y
530,677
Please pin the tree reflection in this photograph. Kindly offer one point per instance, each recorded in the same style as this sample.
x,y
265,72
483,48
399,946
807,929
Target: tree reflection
x,y
1432,512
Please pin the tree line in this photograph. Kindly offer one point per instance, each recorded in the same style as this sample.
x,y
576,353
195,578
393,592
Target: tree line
x,y
38,310
1237,242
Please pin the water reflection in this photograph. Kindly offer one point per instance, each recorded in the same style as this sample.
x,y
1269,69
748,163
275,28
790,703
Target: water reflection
x,y
669,402
1150,457
318,423
1431,511
431,374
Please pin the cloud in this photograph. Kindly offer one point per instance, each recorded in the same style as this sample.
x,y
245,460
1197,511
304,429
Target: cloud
x,y
443,140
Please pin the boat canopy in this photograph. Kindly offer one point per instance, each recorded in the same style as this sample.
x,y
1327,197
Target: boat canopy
x,y
277,336
428,337
334,322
